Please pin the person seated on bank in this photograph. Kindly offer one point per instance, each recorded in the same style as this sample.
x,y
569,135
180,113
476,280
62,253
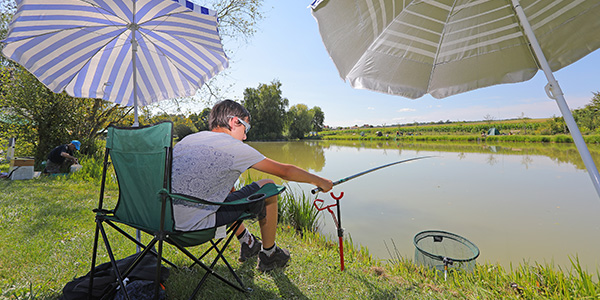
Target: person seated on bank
x,y
207,164
61,157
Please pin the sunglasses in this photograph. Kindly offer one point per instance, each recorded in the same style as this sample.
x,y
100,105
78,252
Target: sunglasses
x,y
246,125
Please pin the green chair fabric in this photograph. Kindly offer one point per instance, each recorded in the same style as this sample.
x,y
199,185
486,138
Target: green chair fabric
x,y
141,157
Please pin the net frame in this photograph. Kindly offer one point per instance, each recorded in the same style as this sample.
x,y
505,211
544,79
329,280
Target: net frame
x,y
444,261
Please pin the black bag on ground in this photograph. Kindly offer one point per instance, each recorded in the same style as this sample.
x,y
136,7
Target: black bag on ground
x,y
105,279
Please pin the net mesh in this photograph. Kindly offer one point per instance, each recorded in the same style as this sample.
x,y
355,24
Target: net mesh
x,y
439,249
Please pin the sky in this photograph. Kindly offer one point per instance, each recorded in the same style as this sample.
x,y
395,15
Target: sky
x,y
288,48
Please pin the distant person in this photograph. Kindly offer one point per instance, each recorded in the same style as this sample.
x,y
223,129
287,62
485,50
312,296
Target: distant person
x,y
207,164
62,157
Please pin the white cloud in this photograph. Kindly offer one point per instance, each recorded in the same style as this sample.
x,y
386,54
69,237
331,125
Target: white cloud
x,y
406,110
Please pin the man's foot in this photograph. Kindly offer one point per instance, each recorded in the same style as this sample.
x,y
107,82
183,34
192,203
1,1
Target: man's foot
x,y
278,259
248,252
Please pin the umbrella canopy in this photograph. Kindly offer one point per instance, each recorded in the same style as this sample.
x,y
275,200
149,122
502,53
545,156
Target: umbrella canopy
x,y
445,47
131,52
412,48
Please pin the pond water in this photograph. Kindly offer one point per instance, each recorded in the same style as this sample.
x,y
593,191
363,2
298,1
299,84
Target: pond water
x,y
516,202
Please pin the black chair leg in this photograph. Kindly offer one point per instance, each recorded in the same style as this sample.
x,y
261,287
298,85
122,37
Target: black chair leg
x,y
158,269
214,245
113,261
93,267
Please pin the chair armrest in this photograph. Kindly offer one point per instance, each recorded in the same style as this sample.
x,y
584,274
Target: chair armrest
x,y
251,198
265,191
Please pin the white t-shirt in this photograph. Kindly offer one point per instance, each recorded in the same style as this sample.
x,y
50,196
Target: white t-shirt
x,y
206,165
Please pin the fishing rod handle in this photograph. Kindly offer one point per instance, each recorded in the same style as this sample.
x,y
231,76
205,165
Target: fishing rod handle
x,y
318,189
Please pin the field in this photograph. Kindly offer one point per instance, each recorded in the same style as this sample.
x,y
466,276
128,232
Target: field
x,y
46,232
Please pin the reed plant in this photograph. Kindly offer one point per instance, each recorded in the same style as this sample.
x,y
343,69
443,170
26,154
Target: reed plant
x,y
296,210
294,207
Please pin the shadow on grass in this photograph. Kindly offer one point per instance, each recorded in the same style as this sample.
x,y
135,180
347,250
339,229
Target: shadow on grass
x,y
287,289
376,292
271,285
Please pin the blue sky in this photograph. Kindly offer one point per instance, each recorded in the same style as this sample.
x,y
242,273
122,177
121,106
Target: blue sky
x,y
288,47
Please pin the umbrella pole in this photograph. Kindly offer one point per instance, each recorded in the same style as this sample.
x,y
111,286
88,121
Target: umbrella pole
x,y
134,78
133,27
554,92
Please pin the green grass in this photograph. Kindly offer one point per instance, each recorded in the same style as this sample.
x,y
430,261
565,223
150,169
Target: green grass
x,y
46,232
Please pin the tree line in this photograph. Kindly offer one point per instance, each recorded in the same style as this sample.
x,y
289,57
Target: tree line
x,y
270,117
40,119
587,119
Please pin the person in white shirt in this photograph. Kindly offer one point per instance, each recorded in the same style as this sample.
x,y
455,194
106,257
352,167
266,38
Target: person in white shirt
x,y
207,164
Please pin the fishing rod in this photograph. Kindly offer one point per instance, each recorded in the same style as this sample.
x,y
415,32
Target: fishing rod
x,y
316,190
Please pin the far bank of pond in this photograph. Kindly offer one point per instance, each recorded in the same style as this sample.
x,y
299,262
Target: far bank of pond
x,y
456,138
515,201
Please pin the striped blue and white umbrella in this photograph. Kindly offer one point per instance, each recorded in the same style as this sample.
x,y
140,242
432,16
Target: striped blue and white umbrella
x,y
131,52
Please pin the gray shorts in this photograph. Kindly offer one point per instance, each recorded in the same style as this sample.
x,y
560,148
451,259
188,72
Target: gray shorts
x,y
228,214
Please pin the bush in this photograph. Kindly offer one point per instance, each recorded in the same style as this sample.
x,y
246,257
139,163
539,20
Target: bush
x,y
563,139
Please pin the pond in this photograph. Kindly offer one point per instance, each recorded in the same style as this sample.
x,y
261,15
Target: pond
x,y
516,202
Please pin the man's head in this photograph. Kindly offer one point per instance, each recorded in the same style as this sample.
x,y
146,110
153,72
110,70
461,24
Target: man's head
x,y
75,144
224,111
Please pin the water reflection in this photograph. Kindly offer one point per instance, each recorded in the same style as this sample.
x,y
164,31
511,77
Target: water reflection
x,y
308,155
514,201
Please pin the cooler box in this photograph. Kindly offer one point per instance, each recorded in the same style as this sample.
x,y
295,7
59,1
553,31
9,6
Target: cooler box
x,y
75,168
22,162
21,168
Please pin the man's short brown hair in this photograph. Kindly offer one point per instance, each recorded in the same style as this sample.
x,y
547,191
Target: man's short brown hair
x,y
223,111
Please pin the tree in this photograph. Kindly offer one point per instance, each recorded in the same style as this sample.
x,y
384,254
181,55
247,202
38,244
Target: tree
x,y
46,119
318,117
588,118
237,18
238,21
201,120
183,126
300,121
49,119
488,118
554,125
267,109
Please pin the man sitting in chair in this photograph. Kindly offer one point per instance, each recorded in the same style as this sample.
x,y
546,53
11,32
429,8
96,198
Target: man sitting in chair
x,y
207,164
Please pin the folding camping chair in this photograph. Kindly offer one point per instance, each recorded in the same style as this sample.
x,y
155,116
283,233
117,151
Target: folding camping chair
x,y
141,157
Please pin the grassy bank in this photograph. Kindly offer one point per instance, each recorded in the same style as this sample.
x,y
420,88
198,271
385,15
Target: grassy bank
x,y
558,138
547,130
46,232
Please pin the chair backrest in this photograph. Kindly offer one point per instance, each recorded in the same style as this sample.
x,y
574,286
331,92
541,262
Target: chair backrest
x,y
141,157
